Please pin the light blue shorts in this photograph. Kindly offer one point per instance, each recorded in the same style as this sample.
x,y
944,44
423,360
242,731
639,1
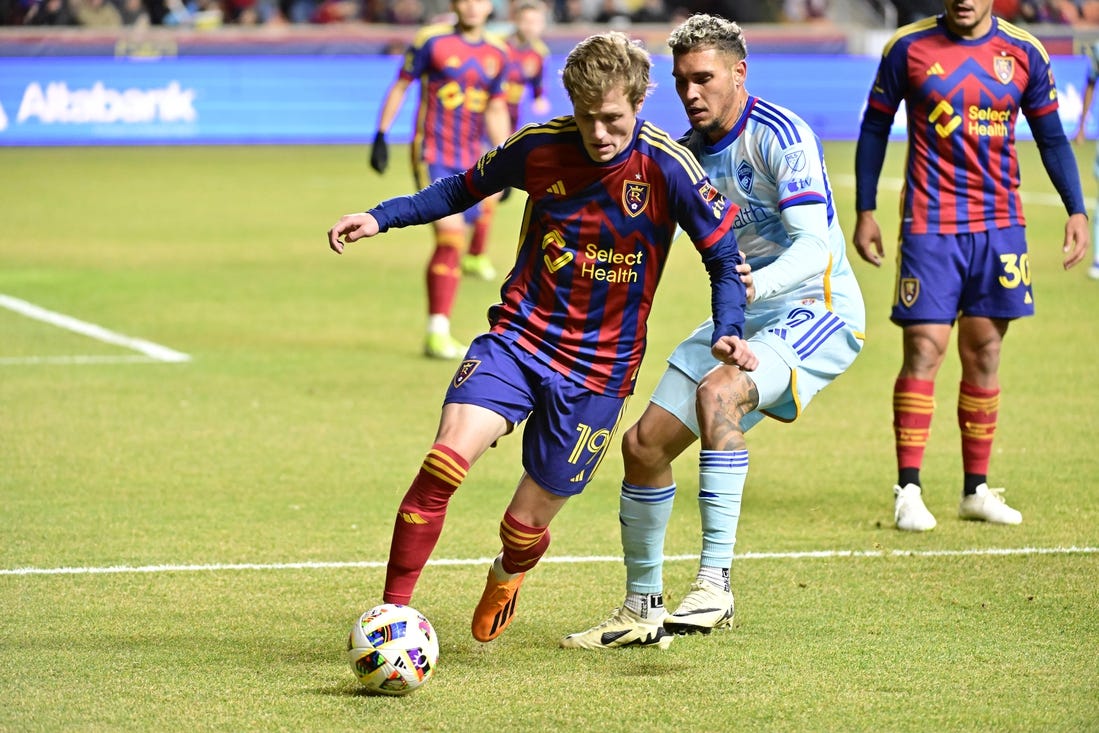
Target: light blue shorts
x,y
801,351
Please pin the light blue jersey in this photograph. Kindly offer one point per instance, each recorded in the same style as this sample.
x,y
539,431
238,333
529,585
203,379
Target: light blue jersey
x,y
808,308
1091,53
770,162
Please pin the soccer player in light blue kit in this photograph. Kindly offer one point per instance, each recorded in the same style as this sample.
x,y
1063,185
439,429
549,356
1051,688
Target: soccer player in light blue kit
x,y
1091,52
804,321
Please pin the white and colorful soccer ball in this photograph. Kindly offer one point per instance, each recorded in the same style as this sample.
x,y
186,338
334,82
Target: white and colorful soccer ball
x,y
393,649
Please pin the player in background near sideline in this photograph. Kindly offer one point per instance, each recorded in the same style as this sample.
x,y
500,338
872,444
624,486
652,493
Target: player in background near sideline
x,y
528,59
1091,52
963,76
804,321
606,191
526,63
460,69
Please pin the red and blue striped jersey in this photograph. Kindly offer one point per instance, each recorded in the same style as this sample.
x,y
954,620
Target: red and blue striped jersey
x,y
962,99
457,79
526,68
594,242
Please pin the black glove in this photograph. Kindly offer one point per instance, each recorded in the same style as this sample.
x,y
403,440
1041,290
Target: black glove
x,y
504,194
379,153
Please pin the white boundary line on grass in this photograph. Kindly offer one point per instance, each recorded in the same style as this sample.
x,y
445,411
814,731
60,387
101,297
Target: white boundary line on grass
x,y
78,359
154,352
319,565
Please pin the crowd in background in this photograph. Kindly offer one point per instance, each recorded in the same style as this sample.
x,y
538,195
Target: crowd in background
x,y
212,13
616,13
1060,12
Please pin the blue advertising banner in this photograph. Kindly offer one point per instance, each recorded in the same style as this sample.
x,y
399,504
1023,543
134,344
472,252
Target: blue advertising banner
x,y
335,99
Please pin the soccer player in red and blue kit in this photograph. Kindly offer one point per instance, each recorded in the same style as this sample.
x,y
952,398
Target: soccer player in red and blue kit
x,y
964,76
528,59
526,66
605,193
461,71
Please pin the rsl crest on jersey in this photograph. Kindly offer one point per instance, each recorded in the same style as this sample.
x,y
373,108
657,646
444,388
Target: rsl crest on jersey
x,y
635,197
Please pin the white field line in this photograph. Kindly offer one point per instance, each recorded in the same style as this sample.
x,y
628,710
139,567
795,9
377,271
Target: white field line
x,y
78,359
481,561
153,351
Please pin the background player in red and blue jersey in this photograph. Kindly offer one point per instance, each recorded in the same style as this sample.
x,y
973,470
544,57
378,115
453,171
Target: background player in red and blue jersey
x,y
528,59
606,191
461,71
526,64
964,77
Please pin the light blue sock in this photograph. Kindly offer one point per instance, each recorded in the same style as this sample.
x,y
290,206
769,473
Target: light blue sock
x,y
643,514
1095,223
721,476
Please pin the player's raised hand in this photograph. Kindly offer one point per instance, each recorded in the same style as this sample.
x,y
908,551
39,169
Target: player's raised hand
x,y
735,352
867,238
351,228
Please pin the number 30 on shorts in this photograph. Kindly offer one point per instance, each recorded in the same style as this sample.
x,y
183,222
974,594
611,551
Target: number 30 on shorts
x,y
1016,270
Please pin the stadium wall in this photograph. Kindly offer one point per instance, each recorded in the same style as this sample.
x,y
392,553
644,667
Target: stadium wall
x,y
100,90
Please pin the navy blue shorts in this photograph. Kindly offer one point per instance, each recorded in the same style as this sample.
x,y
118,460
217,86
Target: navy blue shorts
x,y
568,428
940,276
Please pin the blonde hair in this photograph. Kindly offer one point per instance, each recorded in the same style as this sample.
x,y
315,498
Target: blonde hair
x,y
604,62
700,32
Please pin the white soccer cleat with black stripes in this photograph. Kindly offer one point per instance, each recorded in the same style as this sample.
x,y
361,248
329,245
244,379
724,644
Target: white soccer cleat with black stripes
x,y
624,628
705,608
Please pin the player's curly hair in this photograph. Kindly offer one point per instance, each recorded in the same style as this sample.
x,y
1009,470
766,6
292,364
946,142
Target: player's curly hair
x,y
700,32
603,62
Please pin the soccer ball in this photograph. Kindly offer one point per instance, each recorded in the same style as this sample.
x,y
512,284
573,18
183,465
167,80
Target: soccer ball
x,y
392,649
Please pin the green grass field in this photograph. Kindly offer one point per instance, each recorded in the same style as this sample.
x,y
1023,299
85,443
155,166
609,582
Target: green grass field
x,y
184,545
